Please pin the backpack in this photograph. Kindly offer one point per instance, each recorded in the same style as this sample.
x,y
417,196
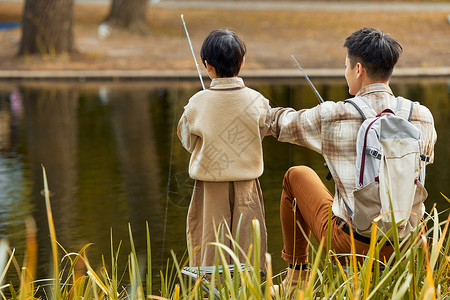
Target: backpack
x,y
388,173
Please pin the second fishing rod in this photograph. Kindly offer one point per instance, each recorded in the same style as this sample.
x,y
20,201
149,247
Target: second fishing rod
x,y
329,176
307,79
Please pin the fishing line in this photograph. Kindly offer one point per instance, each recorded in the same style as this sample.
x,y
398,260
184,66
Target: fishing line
x,y
290,146
169,176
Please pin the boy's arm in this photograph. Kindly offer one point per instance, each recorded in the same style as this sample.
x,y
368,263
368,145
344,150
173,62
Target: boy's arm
x,y
188,140
301,127
265,120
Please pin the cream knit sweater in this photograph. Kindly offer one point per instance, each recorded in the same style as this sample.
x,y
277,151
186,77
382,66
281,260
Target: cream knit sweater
x,y
223,127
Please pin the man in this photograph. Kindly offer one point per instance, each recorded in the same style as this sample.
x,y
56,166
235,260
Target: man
x,y
331,129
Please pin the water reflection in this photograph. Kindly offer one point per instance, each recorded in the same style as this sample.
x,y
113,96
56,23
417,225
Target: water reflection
x,y
113,159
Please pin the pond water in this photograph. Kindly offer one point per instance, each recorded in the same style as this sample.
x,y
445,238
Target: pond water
x,y
112,159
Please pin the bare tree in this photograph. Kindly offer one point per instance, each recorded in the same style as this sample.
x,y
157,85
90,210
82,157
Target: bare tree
x,y
47,27
128,14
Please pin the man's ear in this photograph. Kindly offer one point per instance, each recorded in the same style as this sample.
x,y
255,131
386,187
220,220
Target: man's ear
x,y
360,70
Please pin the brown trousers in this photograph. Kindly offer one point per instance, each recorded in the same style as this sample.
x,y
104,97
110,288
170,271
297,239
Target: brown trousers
x,y
214,204
305,200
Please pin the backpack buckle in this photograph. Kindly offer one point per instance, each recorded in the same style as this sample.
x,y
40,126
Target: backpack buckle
x,y
424,157
373,152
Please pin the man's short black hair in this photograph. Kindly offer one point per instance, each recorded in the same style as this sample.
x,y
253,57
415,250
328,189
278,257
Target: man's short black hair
x,y
376,51
225,51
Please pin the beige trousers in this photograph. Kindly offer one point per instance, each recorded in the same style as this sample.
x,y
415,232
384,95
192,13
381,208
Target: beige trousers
x,y
234,204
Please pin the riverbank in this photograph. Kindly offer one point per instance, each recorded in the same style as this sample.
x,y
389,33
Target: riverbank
x,y
133,75
315,36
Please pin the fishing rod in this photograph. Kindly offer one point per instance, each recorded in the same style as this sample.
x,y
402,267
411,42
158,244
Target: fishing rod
x,y
192,51
329,176
171,148
307,78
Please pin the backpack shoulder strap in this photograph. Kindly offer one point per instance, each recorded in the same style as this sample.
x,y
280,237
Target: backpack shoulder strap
x,y
404,108
362,106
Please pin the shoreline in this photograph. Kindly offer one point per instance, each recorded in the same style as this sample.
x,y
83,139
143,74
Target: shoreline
x,y
107,75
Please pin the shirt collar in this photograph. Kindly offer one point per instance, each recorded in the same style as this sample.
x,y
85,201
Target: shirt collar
x,y
374,88
227,82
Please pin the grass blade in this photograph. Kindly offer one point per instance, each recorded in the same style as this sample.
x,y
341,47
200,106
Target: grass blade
x,y
51,226
149,263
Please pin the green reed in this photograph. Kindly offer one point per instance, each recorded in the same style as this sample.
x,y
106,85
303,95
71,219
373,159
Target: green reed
x,y
419,269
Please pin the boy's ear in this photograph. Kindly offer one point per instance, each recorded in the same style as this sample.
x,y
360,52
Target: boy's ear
x,y
209,68
243,62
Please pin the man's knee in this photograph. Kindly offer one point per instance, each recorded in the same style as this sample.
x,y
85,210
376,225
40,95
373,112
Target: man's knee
x,y
298,173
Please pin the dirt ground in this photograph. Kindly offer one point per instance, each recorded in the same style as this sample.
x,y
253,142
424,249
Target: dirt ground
x,y
314,37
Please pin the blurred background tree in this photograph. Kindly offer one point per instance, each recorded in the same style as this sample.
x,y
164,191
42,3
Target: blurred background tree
x,y
47,27
129,15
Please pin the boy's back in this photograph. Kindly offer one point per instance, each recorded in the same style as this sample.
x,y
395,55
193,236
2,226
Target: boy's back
x,y
228,122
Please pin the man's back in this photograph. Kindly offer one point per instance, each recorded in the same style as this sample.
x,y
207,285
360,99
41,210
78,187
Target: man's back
x,y
331,129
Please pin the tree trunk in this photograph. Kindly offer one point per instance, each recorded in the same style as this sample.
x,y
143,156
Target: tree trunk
x,y
47,27
129,14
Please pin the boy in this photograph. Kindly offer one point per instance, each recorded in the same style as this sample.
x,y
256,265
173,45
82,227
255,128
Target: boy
x,y
223,127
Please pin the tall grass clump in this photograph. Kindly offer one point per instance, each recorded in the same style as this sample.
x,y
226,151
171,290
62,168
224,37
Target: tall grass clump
x,y
418,269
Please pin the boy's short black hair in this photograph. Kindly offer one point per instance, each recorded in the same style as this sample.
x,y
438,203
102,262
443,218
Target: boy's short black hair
x,y
376,51
225,51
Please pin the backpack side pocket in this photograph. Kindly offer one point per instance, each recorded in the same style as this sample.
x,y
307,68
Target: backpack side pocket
x,y
417,208
367,206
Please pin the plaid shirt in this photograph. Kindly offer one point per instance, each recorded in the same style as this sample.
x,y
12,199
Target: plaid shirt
x,y
331,129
